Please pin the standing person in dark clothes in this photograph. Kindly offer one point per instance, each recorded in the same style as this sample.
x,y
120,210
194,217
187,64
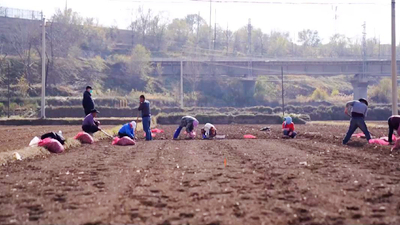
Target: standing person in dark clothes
x,y
394,124
87,102
358,113
90,125
144,107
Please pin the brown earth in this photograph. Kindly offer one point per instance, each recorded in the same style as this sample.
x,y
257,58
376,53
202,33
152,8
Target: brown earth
x,y
309,180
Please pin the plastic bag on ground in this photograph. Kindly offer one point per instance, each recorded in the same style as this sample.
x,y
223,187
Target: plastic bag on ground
x,y
394,138
157,131
379,142
124,141
34,142
359,135
249,136
152,135
84,138
52,145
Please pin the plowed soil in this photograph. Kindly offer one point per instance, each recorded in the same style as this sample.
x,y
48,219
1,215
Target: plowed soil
x,y
309,180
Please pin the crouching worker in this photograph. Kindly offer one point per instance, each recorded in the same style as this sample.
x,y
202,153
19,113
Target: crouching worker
x,y
90,125
209,131
190,123
288,128
394,125
53,135
358,112
128,130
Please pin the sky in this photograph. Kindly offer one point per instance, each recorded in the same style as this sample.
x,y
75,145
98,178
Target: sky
x,y
326,16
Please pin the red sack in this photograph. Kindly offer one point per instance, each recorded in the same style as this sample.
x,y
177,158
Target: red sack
x,y
152,135
249,136
124,141
84,138
52,145
157,131
359,135
378,142
394,138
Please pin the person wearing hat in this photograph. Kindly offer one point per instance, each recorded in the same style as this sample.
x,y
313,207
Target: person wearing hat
x,y
357,110
90,124
127,130
190,123
288,128
87,102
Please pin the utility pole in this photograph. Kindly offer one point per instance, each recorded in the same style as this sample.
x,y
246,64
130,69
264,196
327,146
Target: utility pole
x,y
43,102
394,66
210,30
250,63
364,51
215,29
181,89
227,39
283,93
197,32
8,89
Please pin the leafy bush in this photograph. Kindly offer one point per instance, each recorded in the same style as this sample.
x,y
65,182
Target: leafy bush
x,y
381,93
335,92
319,95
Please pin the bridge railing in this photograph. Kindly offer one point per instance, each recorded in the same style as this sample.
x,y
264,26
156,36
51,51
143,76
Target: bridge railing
x,y
20,13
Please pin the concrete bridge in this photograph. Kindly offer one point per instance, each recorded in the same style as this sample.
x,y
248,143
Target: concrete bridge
x,y
249,69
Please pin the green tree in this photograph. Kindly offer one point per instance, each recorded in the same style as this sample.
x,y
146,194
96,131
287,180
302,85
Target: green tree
x,y
140,62
319,95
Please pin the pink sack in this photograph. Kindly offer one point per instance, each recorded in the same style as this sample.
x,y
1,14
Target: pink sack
x,y
157,131
84,138
124,141
249,136
379,142
152,135
52,145
359,135
394,138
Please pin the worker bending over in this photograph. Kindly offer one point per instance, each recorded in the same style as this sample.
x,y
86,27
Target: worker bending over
x,y
358,112
209,131
90,124
288,128
394,125
190,123
128,130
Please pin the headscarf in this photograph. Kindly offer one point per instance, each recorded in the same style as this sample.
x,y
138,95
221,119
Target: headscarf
x,y
288,120
133,124
195,123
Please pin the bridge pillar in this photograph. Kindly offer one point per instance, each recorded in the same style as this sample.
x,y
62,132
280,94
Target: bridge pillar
x,y
360,86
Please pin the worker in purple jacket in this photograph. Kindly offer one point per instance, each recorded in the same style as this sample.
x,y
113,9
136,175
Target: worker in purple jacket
x,y
90,124
394,125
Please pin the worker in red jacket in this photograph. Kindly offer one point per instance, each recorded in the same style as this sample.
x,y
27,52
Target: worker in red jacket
x,y
288,128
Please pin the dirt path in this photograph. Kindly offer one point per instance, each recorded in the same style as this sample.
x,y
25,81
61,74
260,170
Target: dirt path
x,y
186,182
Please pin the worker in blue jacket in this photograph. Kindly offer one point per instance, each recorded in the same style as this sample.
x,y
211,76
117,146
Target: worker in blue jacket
x,y
128,130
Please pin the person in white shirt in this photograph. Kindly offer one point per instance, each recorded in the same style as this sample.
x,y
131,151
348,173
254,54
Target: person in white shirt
x,y
209,131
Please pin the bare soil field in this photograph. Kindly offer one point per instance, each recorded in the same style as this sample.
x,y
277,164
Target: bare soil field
x,y
312,179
